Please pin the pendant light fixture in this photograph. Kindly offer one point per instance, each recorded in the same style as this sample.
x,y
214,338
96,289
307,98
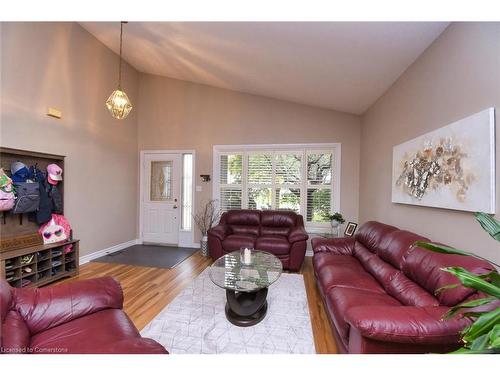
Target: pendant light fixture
x,y
118,102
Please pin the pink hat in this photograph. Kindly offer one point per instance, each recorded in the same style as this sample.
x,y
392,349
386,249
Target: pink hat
x,y
54,174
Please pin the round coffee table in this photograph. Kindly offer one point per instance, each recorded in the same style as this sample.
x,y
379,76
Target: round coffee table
x,y
246,285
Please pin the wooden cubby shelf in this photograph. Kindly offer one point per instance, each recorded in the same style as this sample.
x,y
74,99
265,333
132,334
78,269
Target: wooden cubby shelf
x,y
40,265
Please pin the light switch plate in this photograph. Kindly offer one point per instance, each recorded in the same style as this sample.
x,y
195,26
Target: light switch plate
x,y
53,112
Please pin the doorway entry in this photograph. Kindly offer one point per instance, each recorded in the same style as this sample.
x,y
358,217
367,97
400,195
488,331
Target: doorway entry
x,y
160,201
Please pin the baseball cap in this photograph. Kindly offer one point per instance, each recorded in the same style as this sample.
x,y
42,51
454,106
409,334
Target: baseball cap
x,y
54,173
19,171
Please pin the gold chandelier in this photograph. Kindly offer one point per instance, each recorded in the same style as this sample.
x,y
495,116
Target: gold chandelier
x,y
118,103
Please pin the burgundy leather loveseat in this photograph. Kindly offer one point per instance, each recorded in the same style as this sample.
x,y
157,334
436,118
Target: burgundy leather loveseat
x,y
281,233
76,318
381,294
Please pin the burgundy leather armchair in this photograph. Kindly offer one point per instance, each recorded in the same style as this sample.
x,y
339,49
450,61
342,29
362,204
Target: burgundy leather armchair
x,y
382,295
281,233
75,318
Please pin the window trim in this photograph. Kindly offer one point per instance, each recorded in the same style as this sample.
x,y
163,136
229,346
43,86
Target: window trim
x,y
335,148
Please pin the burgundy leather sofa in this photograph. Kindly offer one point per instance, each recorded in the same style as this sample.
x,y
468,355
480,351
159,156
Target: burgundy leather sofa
x,y
281,233
75,318
381,294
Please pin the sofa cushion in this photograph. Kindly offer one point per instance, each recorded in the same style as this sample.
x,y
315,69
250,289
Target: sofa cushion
x,y
407,324
243,217
14,333
424,267
372,233
277,245
408,292
324,259
277,222
5,298
340,299
395,245
347,275
108,330
378,268
44,308
392,280
236,241
243,221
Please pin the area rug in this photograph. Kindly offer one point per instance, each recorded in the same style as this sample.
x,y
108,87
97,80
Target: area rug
x,y
195,322
149,256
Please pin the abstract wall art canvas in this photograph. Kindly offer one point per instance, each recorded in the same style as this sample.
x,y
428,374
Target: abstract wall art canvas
x,y
452,167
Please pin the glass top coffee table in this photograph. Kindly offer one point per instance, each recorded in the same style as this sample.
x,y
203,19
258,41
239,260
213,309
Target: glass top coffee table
x,y
246,284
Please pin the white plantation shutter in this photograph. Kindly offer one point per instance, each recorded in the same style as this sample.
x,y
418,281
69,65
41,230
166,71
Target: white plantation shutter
x,y
319,181
288,168
300,180
260,198
318,204
260,169
288,198
231,169
230,199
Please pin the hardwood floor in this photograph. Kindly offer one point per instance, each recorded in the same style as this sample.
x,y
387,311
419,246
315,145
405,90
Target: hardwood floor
x,y
148,290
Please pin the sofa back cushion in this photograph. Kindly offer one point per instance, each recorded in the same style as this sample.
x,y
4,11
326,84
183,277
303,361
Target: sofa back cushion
x,y
372,233
14,334
277,222
243,221
395,245
424,267
5,299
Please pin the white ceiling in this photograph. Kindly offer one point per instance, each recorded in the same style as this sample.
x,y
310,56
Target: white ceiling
x,y
344,66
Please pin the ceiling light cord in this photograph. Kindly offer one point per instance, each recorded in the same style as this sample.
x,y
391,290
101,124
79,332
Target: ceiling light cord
x,y
120,64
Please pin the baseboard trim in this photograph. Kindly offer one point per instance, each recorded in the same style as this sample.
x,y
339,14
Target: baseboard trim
x,y
193,245
96,254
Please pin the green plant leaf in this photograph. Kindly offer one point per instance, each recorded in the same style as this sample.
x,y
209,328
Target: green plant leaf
x,y
469,351
471,280
483,325
494,337
480,343
441,248
493,276
468,305
489,224
443,288
448,250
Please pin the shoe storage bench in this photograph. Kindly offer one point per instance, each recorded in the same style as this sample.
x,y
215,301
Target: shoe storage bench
x,y
40,265
24,260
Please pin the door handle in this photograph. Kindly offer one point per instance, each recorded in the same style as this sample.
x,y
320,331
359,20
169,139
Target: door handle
x,y
175,206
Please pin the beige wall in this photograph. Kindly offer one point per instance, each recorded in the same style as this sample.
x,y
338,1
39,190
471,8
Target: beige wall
x,y
175,114
458,75
61,65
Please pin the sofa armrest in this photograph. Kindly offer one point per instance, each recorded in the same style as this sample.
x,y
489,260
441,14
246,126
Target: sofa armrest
x,y
297,234
338,246
220,231
407,324
44,308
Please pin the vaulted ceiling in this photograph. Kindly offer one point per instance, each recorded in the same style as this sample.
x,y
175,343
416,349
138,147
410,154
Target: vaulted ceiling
x,y
345,66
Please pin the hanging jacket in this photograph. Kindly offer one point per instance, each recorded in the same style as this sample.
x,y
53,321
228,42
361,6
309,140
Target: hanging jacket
x,y
44,213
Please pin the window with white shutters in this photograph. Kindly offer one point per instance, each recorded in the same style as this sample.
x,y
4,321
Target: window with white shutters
x,y
231,169
319,189
299,179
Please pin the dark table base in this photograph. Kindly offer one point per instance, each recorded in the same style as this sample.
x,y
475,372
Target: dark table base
x,y
245,309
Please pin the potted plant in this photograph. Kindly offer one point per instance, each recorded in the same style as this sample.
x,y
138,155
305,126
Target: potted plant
x,y
336,219
483,335
205,219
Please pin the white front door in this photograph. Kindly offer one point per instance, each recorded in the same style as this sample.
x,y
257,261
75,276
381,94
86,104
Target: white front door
x,y
161,198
